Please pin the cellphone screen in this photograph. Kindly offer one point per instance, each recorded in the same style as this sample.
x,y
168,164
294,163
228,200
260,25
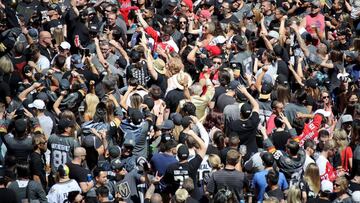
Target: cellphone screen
x,y
87,52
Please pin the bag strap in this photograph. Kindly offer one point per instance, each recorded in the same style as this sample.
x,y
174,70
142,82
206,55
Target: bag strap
x,y
27,191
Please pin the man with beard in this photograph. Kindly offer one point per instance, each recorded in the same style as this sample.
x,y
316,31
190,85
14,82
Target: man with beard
x,y
227,15
315,21
78,172
37,160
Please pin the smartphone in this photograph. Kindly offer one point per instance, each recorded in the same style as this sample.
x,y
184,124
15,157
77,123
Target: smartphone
x,y
87,52
53,41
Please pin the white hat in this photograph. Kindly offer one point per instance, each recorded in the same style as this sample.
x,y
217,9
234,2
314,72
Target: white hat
x,y
322,112
180,77
274,34
356,196
38,104
65,45
327,186
346,118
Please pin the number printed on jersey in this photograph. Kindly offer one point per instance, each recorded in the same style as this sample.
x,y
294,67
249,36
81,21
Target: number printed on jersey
x,y
59,157
181,175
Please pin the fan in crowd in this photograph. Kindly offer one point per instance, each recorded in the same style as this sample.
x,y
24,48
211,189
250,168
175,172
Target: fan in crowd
x,y
179,101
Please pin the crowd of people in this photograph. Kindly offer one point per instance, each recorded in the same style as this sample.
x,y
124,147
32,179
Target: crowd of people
x,y
222,101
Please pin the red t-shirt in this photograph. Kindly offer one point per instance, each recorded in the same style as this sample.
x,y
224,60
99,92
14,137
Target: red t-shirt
x,y
346,154
311,130
125,9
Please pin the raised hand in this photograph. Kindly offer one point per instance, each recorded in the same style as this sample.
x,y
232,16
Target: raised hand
x,y
156,179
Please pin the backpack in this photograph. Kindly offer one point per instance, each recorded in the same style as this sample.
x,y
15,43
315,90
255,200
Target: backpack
x,y
27,190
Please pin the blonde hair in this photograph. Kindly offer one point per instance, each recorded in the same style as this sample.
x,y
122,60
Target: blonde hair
x,y
312,177
210,28
91,101
136,100
58,35
294,195
175,65
343,184
340,137
215,161
6,65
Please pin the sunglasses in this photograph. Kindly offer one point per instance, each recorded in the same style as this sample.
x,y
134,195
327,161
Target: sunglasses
x,y
182,22
43,142
314,7
325,97
214,62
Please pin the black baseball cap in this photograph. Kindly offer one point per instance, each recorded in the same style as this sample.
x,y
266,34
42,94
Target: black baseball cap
x,y
282,80
136,116
183,152
246,110
266,90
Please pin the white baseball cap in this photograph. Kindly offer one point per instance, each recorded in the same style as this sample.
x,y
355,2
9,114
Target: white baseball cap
x,y
38,104
323,112
327,186
65,45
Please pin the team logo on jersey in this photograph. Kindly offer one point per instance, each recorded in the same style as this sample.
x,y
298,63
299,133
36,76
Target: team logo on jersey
x,y
124,190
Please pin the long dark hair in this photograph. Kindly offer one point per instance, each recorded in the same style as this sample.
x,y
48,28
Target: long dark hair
x,y
214,119
219,140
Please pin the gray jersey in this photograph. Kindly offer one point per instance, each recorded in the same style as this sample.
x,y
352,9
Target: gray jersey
x,y
62,148
127,187
245,59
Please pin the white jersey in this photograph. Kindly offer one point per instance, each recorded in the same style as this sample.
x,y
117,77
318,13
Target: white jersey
x,y
326,170
204,169
59,192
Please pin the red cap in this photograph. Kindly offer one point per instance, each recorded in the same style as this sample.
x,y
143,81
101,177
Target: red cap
x,y
213,50
189,4
205,14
